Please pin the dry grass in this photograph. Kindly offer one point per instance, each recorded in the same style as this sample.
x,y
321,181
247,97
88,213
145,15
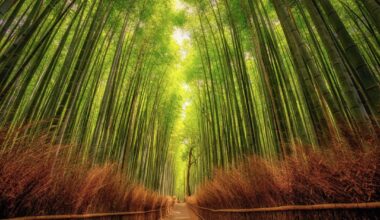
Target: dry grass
x,y
33,181
339,175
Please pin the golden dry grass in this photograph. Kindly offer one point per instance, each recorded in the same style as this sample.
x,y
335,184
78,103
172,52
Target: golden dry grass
x,y
34,181
341,174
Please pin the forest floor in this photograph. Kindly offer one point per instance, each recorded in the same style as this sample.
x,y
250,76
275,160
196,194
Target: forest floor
x,y
181,212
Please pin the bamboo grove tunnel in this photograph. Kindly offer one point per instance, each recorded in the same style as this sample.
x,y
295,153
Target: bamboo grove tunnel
x,y
190,109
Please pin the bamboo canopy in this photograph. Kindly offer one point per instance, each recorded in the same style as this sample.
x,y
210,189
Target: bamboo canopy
x,y
261,77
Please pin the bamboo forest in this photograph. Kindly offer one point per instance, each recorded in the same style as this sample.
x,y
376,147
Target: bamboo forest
x,y
190,109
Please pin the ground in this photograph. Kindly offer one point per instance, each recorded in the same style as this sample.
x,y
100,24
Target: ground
x,y
181,212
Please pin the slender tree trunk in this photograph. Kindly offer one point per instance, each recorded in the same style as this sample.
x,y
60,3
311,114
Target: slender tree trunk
x,y
11,56
4,8
314,89
189,164
354,57
350,93
10,19
373,8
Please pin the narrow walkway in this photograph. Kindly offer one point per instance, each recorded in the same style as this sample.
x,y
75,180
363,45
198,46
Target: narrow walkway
x,y
181,212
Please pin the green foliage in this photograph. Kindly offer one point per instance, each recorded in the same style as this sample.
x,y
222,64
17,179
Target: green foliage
x,y
179,19
256,77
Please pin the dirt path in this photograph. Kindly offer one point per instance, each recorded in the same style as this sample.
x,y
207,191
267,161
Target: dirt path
x,y
181,212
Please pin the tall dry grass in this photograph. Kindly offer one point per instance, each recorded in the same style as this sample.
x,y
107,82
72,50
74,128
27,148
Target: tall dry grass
x,y
35,181
341,174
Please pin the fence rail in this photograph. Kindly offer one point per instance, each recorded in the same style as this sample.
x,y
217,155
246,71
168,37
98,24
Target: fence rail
x,y
89,216
370,205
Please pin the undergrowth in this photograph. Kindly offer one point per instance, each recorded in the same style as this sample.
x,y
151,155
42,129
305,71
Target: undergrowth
x,y
37,179
339,174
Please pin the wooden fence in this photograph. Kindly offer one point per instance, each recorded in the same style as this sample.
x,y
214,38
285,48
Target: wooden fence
x,y
319,211
117,215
